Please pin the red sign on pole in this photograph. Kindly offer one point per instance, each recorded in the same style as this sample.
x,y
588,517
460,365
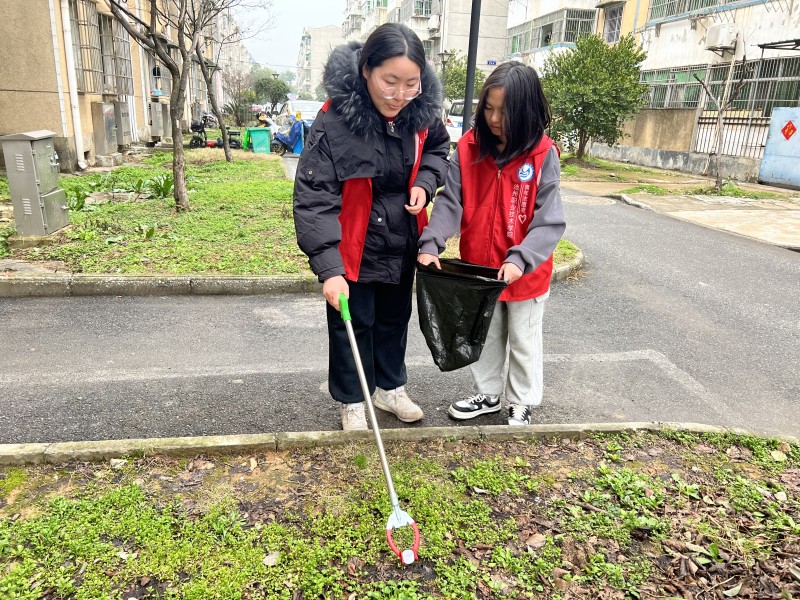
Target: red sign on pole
x,y
788,130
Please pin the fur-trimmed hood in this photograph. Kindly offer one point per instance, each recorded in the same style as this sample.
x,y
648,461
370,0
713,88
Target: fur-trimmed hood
x,y
350,97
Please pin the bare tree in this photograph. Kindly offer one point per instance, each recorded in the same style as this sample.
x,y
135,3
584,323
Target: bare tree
x,y
722,103
215,43
184,23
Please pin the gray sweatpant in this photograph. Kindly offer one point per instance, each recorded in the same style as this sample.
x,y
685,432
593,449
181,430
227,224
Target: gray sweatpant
x,y
512,357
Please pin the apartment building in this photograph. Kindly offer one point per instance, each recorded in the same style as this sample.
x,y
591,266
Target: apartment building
x,y
537,28
442,25
315,46
68,66
752,46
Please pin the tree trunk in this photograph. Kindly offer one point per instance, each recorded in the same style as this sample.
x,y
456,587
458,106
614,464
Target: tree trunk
x,y
583,139
208,77
178,159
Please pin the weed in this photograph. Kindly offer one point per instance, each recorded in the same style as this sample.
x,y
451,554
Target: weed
x,y
5,193
732,189
565,251
6,231
490,477
12,479
162,186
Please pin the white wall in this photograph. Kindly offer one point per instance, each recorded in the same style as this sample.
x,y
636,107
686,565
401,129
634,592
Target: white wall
x,y
677,44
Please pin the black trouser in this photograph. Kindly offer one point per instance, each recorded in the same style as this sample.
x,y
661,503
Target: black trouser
x,y
380,313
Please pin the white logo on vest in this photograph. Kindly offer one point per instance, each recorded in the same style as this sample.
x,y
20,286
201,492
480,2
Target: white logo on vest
x,y
525,172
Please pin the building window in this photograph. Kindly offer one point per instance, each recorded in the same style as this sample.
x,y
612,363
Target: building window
x,y
428,46
415,8
102,51
86,45
675,87
422,8
613,23
123,68
561,26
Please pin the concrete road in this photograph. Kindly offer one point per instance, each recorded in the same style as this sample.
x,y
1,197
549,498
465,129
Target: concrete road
x,y
669,321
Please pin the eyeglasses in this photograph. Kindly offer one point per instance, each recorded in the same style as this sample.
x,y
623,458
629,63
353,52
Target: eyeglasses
x,y
391,92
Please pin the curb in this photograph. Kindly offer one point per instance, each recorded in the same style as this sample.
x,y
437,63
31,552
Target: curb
x,y
55,285
20,454
628,200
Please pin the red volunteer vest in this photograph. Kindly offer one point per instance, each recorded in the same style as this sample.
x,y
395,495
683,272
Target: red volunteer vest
x,y
356,206
498,209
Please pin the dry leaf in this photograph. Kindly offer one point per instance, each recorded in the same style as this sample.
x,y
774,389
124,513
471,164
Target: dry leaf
x,y
733,592
536,541
271,559
778,456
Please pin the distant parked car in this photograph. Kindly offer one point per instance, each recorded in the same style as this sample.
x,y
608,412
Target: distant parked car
x,y
455,118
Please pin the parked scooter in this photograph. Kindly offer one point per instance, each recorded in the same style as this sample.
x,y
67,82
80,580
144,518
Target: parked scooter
x,y
200,137
285,139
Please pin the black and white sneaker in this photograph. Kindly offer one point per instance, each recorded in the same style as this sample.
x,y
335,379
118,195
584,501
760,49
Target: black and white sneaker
x,y
474,406
519,414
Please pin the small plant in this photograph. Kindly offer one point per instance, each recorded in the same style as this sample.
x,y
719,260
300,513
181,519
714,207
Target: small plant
x,y
147,230
162,186
77,201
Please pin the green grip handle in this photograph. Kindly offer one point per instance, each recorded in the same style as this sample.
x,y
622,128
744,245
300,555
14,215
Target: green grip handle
x,y
344,307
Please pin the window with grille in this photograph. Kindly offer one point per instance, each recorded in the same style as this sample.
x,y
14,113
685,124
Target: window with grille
x,y
102,51
661,9
566,25
767,84
86,45
123,68
427,45
613,23
422,8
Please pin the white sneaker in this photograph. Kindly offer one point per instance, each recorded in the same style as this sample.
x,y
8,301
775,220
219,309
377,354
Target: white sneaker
x,y
398,403
353,417
519,414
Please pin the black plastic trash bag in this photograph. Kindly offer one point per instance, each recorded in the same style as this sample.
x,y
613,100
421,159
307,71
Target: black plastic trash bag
x,y
455,306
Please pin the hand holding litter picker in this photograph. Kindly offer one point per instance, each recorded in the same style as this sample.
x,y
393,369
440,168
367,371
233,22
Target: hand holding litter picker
x,y
398,518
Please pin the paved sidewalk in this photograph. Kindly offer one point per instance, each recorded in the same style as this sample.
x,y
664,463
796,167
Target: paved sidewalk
x,y
774,221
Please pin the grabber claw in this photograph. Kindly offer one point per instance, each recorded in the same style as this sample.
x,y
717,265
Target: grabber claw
x,y
397,519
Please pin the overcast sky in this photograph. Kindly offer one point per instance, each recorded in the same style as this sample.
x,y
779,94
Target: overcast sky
x,y
278,47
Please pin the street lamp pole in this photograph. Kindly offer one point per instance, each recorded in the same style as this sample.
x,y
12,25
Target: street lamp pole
x,y
444,57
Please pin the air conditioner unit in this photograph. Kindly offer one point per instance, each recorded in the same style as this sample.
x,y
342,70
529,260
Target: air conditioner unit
x,y
721,36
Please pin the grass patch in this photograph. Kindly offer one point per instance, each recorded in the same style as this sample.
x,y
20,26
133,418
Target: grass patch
x,y
655,190
240,221
730,188
608,516
6,231
5,193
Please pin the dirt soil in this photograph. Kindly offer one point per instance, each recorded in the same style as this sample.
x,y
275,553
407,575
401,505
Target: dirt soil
x,y
693,535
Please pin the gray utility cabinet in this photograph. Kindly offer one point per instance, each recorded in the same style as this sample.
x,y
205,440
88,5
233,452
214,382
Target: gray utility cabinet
x,y
40,207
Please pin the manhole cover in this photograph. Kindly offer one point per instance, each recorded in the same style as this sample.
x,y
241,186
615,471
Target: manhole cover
x,y
589,200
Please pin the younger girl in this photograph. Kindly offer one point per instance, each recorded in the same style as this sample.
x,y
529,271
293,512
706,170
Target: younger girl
x,y
502,194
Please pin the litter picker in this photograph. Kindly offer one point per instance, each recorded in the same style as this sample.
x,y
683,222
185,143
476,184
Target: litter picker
x,y
397,518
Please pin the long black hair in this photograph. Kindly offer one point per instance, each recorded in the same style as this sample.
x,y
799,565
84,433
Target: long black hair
x,y
389,41
527,112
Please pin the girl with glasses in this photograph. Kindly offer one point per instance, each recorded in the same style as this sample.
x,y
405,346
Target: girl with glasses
x,y
502,194
375,156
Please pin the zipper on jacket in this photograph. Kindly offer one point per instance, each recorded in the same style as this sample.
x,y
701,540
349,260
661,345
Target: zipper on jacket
x,y
494,213
391,126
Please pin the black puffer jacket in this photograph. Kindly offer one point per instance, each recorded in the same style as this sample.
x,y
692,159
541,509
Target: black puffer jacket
x,y
353,140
